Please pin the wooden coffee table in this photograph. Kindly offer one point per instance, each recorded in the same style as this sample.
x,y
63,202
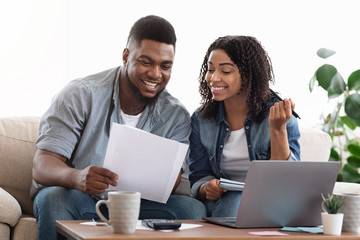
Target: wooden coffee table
x,y
75,230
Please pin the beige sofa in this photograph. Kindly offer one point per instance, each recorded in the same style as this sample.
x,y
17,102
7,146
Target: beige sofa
x,y
17,148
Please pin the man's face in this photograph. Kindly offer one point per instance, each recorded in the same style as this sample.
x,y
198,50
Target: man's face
x,y
148,66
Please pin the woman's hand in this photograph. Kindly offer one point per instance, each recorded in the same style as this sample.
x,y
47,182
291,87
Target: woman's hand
x,y
211,190
280,113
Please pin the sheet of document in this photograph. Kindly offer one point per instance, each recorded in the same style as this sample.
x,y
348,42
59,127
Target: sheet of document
x,y
145,162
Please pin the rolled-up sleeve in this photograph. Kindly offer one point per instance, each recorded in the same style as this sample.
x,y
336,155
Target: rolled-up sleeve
x,y
61,126
293,139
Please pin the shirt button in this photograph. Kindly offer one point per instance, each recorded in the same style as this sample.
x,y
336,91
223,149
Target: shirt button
x,y
247,127
249,146
227,129
221,146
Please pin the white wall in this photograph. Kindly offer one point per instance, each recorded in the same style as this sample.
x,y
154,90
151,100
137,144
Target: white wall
x,y
46,43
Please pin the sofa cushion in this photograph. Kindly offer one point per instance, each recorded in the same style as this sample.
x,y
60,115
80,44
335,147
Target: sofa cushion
x,y
26,228
10,210
4,231
315,145
17,148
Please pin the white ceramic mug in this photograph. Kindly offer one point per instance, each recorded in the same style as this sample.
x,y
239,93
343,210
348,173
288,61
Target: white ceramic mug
x,y
124,208
351,210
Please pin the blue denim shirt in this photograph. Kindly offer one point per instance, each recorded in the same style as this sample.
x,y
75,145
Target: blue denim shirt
x,y
209,135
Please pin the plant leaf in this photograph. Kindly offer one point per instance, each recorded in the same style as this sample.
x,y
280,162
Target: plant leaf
x,y
332,203
354,80
312,83
354,149
325,53
354,161
348,122
350,174
352,106
357,122
339,177
339,124
337,86
324,75
334,155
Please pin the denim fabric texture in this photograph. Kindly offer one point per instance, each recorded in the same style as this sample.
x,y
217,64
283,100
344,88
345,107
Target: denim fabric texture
x,y
226,206
208,137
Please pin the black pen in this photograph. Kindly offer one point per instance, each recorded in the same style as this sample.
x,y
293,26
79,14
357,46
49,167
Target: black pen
x,y
278,97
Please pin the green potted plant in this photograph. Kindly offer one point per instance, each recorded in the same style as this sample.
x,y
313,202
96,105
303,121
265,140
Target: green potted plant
x,y
342,122
331,219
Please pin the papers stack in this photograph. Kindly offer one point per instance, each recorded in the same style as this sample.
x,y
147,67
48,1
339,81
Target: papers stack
x,y
231,185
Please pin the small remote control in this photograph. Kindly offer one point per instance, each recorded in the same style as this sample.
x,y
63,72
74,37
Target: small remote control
x,y
161,224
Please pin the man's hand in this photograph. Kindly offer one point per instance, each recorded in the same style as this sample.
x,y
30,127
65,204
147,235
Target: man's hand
x,y
95,180
49,169
211,190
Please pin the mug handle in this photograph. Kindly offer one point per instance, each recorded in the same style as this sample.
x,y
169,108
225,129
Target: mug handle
x,y
99,212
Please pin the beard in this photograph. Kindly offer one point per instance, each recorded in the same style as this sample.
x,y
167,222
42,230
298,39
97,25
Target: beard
x,y
136,92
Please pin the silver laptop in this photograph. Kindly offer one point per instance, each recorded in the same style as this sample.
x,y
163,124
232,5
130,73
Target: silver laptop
x,y
282,193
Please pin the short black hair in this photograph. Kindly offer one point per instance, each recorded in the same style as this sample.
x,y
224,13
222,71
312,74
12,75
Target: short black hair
x,y
153,28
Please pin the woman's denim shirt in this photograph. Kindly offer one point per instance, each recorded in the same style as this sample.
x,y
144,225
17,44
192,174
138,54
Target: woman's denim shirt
x,y
209,135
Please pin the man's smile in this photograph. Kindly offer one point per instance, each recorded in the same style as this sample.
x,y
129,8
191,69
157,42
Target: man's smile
x,y
150,84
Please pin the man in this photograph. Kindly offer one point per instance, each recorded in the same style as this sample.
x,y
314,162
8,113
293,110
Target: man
x,y
74,132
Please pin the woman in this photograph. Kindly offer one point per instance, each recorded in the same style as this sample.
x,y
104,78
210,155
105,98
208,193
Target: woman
x,y
239,121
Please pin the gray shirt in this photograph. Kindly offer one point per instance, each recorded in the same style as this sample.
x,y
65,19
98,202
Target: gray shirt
x,y
78,123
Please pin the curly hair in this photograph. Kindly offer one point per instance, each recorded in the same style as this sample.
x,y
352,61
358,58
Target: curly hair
x,y
153,28
254,65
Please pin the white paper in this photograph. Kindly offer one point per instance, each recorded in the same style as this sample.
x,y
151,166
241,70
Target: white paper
x,y
145,162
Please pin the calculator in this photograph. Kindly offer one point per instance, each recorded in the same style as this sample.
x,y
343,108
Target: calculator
x,y
161,224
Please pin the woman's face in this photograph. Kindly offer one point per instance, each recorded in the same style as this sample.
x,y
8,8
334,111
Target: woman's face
x,y
223,76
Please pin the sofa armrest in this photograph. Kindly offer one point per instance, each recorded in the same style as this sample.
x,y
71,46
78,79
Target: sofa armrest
x,y
10,210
